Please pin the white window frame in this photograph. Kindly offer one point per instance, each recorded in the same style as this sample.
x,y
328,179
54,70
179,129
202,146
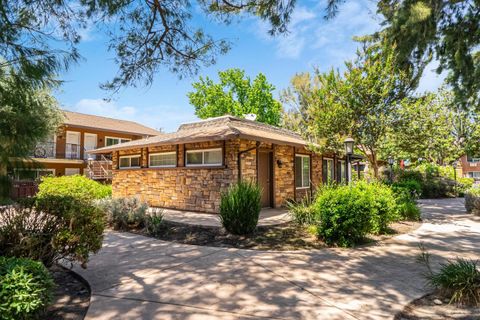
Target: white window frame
x,y
162,166
118,138
203,164
129,157
309,170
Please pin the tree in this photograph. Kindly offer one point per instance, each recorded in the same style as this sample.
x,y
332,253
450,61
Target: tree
x,y
28,115
360,103
448,31
39,38
434,128
237,95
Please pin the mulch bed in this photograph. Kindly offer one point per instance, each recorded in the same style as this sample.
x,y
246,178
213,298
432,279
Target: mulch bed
x,y
288,236
71,296
426,309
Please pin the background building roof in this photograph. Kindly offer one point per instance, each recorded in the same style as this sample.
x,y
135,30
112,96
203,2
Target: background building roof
x,y
109,124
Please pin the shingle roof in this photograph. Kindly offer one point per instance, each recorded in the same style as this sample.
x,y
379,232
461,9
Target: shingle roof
x,y
220,128
103,123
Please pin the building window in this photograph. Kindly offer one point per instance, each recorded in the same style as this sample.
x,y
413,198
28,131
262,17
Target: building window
x,y
164,159
302,171
72,171
130,161
110,141
32,174
328,173
474,174
341,171
207,157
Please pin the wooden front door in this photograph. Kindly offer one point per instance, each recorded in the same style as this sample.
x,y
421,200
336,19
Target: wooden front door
x,y
265,177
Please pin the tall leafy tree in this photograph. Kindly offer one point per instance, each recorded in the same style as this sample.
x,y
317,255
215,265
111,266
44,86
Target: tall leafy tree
x,y
422,30
236,94
28,115
359,103
39,38
434,128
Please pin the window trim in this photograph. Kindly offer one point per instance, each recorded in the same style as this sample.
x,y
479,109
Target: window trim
x,y
309,171
129,157
342,164
119,138
331,172
203,164
164,165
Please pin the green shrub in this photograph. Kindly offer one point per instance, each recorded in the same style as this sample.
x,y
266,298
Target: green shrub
x,y
154,223
25,288
125,213
412,186
472,200
302,212
459,281
240,208
383,205
463,184
344,215
405,197
73,186
52,228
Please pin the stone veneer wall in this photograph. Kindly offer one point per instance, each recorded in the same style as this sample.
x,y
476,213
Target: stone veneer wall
x,y
199,188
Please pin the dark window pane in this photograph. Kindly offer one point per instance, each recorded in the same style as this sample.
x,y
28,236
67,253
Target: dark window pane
x,y
298,172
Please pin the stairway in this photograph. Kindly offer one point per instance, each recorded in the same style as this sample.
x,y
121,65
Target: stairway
x,y
100,169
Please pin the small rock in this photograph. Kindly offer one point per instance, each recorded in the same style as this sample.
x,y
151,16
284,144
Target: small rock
x,y
437,302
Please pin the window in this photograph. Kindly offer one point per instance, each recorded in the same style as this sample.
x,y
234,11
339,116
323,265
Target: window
x,y
328,173
164,159
110,141
475,174
32,174
302,171
341,171
130,161
72,171
207,157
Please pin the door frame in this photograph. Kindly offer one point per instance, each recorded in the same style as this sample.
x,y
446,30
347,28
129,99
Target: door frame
x,y
85,144
271,158
68,153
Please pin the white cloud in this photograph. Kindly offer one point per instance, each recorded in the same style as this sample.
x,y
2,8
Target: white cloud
x,y
291,44
308,30
165,117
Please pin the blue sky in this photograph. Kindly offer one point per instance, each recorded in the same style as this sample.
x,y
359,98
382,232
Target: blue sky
x,y
311,42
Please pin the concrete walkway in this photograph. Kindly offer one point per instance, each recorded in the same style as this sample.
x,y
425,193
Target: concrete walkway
x,y
135,277
268,217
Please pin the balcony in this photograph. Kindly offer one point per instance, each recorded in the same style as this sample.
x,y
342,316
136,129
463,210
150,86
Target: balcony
x,y
50,150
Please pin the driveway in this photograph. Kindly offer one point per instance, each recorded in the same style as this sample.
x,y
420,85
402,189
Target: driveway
x,y
135,277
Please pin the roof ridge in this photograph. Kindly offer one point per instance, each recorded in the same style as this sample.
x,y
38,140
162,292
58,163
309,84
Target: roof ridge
x,y
110,118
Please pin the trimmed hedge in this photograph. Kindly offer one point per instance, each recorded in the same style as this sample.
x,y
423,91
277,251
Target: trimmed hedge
x,y
75,186
25,288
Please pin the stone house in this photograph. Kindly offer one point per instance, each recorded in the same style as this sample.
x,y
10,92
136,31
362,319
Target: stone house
x,y
188,169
